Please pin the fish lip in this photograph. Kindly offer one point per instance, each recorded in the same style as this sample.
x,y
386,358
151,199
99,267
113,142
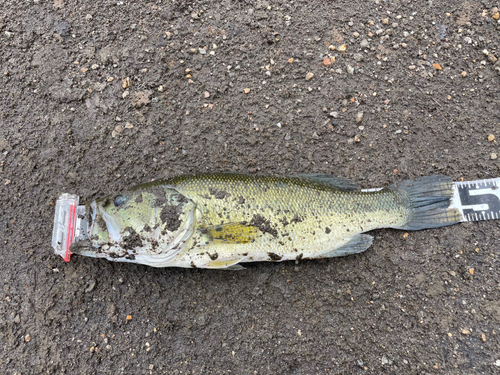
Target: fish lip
x,y
91,213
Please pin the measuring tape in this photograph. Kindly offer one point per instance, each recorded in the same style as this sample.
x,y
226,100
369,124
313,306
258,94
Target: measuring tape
x,y
476,200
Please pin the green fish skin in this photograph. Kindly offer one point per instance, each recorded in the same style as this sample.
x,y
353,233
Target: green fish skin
x,y
221,220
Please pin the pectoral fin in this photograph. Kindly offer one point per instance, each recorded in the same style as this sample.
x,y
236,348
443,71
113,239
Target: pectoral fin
x,y
232,233
357,244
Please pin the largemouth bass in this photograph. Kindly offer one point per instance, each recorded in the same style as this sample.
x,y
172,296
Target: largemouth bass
x,y
222,220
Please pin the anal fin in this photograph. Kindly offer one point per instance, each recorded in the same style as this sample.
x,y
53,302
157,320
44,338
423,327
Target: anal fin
x,y
357,244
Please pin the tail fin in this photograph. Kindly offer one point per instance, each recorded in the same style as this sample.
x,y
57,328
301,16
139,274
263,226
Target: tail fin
x,y
429,199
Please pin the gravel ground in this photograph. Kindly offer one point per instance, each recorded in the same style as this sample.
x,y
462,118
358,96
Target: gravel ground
x,y
99,96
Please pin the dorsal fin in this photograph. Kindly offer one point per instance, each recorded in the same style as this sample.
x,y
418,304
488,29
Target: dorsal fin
x,y
337,182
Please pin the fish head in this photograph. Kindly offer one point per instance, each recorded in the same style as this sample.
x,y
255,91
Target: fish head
x,y
145,225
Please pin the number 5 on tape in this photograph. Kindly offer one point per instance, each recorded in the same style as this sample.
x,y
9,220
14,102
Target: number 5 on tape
x,y
478,200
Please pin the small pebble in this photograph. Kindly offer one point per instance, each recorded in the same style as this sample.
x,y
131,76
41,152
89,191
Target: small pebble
x,y
126,82
290,60
437,66
92,282
331,47
206,94
129,317
334,114
309,76
125,94
491,138
203,51
493,156
359,117
497,363
342,48
246,91
94,66
385,21
364,43
465,332
27,338
161,88
128,125
464,73
350,69
483,337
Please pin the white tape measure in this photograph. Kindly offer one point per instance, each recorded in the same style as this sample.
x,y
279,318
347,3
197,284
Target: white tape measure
x,y
478,200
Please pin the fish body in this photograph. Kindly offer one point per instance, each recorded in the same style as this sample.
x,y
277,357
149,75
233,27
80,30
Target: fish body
x,y
223,220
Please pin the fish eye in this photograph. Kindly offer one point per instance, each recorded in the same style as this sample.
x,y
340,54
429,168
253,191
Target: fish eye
x,y
119,200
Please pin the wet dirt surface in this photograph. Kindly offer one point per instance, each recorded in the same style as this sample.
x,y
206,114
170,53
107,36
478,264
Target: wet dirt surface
x,y
398,89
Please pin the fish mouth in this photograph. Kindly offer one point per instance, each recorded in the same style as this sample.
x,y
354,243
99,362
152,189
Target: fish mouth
x,y
83,247
104,228
114,229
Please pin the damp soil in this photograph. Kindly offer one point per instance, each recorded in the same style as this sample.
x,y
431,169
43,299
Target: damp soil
x,y
96,97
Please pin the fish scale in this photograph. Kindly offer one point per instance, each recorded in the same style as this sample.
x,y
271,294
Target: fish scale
x,y
320,217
